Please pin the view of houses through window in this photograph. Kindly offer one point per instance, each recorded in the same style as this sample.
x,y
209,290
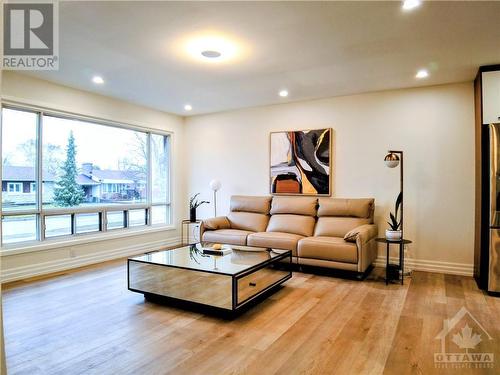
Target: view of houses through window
x,y
86,171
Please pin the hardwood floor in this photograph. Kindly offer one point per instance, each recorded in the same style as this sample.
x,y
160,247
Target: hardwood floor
x,y
87,322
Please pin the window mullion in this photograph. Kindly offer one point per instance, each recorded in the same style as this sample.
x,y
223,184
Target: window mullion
x,y
168,166
149,179
41,225
39,175
103,221
73,224
1,178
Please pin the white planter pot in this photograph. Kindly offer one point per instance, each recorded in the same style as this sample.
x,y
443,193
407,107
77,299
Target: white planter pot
x,y
393,235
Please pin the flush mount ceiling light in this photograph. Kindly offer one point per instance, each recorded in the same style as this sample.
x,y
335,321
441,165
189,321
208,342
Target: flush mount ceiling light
x,y
422,73
210,47
411,4
188,107
211,54
283,93
97,80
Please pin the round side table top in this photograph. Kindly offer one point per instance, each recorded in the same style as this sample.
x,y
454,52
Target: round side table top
x,y
385,240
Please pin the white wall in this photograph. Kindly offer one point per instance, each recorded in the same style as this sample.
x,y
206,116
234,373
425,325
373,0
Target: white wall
x,y
25,89
434,126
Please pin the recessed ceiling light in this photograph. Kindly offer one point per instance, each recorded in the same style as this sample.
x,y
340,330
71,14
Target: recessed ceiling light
x,y
211,54
283,93
188,107
98,80
422,73
411,4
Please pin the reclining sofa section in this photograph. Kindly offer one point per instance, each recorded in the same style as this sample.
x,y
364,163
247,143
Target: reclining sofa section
x,y
324,232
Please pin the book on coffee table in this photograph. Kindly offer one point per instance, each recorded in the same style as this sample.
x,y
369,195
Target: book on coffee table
x,y
221,252
208,249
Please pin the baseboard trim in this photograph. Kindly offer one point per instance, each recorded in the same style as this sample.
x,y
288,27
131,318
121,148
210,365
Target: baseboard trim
x,y
32,270
463,269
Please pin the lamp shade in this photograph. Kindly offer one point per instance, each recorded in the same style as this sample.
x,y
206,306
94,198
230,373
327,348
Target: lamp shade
x,y
391,160
215,185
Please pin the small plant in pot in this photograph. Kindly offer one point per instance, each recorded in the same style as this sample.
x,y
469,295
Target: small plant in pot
x,y
394,234
194,203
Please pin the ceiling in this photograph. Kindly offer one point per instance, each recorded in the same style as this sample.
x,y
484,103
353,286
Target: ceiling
x,y
312,49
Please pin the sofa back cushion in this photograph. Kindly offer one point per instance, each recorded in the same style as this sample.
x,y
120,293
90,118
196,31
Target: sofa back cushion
x,y
294,205
248,221
295,224
243,203
337,226
249,212
337,216
361,208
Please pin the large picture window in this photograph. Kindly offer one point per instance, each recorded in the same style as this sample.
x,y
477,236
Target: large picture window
x,y
64,176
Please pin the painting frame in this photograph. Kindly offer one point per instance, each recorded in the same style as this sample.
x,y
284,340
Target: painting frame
x,y
330,165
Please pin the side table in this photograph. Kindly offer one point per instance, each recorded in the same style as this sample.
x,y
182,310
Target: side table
x,y
188,223
396,267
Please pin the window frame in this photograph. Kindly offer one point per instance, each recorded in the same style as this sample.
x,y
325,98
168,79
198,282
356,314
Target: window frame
x,y
40,212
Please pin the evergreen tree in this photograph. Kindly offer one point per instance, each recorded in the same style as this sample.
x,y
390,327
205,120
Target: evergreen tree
x,y
68,193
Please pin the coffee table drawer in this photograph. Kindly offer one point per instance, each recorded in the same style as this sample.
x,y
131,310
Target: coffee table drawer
x,y
255,282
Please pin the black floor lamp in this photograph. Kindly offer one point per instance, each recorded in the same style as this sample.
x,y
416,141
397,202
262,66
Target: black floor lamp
x,y
392,160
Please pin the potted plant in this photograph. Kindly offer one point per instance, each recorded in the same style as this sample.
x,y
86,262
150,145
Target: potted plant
x,y
193,205
394,234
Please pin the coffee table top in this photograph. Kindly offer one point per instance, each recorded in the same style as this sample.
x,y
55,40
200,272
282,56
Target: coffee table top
x,y
241,259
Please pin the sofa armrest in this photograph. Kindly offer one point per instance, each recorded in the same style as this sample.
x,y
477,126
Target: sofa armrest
x,y
214,223
364,237
362,234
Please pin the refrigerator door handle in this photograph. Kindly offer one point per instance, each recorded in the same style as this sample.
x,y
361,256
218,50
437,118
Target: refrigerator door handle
x,y
494,175
494,261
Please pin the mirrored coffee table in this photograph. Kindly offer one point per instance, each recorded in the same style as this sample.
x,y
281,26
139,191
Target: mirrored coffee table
x,y
227,283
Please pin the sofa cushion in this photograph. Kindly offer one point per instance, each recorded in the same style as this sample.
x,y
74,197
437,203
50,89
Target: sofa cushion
x,y
337,226
361,208
294,205
227,236
248,221
275,240
242,203
328,248
296,224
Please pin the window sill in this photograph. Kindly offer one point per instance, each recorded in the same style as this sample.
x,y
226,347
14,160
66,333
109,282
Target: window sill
x,y
7,250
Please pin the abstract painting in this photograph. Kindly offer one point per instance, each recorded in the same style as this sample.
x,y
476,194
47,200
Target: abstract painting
x,y
301,162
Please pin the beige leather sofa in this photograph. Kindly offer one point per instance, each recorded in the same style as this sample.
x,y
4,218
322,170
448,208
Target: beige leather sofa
x,y
324,232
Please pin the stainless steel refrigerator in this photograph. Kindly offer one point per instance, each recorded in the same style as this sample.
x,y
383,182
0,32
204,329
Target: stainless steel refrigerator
x,y
487,262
